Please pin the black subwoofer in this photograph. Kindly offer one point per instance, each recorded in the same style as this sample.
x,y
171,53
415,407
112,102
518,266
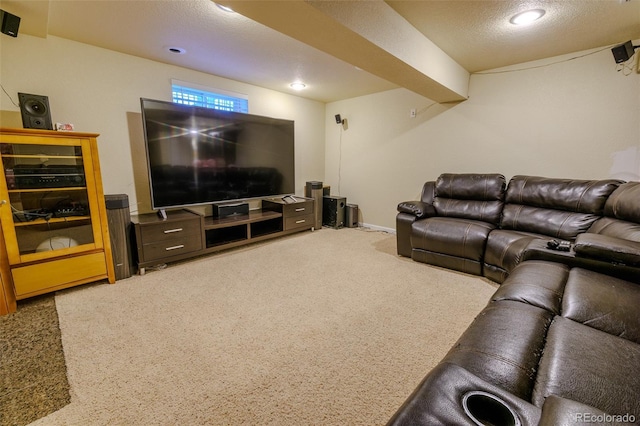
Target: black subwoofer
x,y
333,211
35,111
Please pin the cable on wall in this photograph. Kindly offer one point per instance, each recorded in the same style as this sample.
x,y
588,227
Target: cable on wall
x,y
9,96
545,65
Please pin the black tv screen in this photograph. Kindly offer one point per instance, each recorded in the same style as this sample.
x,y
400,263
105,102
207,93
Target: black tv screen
x,y
200,155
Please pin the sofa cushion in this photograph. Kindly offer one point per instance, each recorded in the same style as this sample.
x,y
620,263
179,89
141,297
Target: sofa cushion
x,y
503,345
535,283
470,196
623,203
561,224
504,250
558,411
437,401
558,208
589,366
603,302
582,196
455,237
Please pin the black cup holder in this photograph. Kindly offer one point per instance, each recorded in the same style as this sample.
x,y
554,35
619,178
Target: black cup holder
x,y
486,409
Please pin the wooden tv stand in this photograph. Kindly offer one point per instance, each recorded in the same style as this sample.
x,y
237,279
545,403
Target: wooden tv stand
x,y
186,234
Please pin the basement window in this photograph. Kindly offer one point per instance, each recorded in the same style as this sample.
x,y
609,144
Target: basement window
x,y
194,95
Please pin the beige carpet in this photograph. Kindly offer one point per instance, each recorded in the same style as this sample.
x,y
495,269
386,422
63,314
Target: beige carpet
x,y
320,328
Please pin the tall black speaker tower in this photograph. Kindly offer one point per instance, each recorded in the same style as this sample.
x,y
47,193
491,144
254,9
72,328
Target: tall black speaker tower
x,y
35,111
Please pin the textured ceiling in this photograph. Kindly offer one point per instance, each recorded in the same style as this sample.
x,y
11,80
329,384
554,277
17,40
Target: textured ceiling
x,y
478,35
475,34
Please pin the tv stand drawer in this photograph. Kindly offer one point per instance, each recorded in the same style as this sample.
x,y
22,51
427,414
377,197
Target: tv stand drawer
x,y
301,208
159,241
294,222
169,231
163,249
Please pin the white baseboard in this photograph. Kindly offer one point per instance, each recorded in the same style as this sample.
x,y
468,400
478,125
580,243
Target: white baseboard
x,y
377,228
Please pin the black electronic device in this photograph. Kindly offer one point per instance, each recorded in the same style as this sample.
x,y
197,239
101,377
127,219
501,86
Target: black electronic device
x,y
623,52
199,156
29,177
333,211
559,245
9,23
70,210
35,111
233,209
338,119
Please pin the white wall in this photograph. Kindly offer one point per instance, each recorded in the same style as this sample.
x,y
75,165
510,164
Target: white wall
x,y
574,119
99,90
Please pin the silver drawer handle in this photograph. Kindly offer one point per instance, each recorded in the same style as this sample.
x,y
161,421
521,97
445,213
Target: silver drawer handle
x,y
175,247
169,231
301,221
301,209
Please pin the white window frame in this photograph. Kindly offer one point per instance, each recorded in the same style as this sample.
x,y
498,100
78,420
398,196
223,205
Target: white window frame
x,y
219,99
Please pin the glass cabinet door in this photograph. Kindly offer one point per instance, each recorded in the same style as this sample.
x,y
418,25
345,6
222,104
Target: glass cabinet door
x,y
46,200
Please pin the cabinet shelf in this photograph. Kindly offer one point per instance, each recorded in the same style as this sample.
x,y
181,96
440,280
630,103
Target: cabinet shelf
x,y
43,156
52,220
243,219
45,189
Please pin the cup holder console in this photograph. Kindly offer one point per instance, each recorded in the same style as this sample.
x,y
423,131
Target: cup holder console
x,y
486,409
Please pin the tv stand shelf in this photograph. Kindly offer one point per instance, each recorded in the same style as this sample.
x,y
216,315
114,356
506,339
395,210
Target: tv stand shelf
x,y
185,234
241,229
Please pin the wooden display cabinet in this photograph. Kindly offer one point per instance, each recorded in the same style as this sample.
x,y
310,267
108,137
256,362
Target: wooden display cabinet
x,y
52,213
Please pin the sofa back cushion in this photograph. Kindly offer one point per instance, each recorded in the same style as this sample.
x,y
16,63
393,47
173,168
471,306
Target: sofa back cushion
x,y
622,214
470,196
559,208
624,203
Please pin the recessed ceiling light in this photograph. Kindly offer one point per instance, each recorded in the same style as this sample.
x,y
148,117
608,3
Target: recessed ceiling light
x,y
527,17
297,85
176,50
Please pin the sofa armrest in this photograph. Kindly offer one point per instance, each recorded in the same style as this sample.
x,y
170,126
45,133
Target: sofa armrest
x,y
417,208
606,248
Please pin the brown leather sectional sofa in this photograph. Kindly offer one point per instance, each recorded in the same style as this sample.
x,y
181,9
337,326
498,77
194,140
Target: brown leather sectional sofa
x,y
559,341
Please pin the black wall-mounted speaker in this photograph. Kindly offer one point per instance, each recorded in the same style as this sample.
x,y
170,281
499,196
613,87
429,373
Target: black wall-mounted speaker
x,y
35,111
622,52
9,23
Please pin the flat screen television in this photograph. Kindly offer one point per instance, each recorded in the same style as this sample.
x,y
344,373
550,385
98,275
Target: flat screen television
x,y
201,156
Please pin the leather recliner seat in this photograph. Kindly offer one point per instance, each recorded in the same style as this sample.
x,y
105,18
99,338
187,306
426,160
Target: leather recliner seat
x,y
542,208
451,228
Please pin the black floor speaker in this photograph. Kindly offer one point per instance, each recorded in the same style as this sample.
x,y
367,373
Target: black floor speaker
x,y
35,111
120,234
333,211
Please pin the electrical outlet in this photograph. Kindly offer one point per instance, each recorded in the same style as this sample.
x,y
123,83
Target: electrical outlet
x,y
412,113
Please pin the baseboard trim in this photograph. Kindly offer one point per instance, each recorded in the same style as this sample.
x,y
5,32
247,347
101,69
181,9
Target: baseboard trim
x,y
377,228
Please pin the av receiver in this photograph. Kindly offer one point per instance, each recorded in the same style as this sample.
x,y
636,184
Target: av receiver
x,y
30,177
